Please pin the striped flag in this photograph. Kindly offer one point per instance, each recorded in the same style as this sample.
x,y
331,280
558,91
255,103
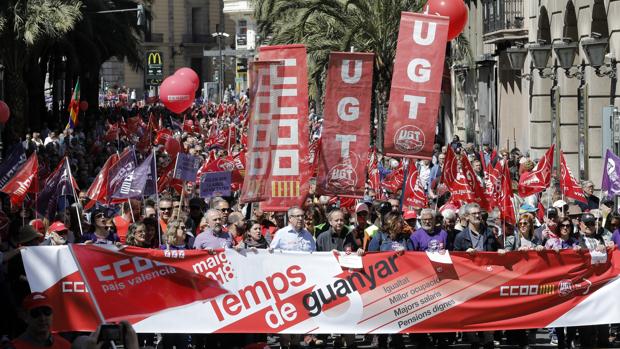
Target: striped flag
x,y
74,106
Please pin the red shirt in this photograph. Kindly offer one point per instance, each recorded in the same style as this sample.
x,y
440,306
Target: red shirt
x,y
57,340
122,226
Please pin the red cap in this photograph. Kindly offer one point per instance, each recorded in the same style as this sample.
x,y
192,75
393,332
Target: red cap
x,y
36,300
57,226
38,225
410,215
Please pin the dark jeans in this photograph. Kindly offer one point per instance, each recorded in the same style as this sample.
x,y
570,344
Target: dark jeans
x,y
566,335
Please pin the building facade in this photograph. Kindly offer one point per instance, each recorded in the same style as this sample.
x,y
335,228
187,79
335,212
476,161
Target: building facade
x,y
536,79
176,36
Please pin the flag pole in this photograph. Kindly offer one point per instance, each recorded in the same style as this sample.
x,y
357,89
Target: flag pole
x,y
404,186
77,208
156,195
88,288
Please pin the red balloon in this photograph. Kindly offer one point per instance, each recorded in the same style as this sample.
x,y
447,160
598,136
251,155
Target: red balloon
x,y
172,146
177,93
456,10
5,112
83,105
190,75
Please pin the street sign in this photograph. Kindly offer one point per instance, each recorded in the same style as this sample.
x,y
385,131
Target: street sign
x,y
154,68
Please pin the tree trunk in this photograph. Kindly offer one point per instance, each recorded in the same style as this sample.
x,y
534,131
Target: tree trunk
x,y
16,96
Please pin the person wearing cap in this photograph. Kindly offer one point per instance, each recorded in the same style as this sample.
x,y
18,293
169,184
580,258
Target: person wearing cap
x,y
547,229
592,240
102,229
411,217
38,225
39,316
56,234
562,207
429,237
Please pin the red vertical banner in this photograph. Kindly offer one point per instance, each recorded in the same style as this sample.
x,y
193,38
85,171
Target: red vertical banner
x,y
416,85
289,179
258,155
414,196
346,125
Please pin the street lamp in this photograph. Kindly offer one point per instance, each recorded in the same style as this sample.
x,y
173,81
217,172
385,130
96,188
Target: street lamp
x,y
516,56
566,50
595,48
540,53
219,36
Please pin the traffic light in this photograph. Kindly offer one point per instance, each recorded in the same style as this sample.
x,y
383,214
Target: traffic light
x,y
141,15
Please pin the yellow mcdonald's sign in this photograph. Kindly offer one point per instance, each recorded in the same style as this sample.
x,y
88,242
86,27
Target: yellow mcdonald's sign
x,y
154,58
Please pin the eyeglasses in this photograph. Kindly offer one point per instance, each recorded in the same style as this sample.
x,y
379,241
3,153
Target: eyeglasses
x,y
225,210
565,225
165,208
296,216
523,223
100,216
37,312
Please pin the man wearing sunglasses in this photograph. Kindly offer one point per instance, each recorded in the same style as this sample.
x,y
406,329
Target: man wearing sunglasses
x,y
39,317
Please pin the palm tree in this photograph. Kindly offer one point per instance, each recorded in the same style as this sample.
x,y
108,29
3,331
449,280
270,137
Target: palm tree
x,y
338,25
24,26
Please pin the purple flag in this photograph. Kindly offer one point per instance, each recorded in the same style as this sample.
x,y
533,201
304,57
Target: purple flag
x,y
57,185
135,181
186,167
150,188
125,164
611,174
12,163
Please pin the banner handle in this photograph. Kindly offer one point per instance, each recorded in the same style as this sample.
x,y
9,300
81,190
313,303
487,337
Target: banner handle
x,y
75,197
157,194
90,291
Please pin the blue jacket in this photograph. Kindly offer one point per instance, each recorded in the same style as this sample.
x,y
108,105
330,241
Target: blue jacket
x,y
381,242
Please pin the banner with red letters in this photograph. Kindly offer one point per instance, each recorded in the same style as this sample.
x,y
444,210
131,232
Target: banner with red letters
x,y
346,125
416,85
294,292
289,179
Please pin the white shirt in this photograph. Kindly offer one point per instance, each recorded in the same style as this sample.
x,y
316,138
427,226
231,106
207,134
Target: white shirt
x,y
289,239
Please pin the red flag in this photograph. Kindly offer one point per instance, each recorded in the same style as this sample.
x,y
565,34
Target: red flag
x,y
539,178
23,181
453,179
346,126
492,181
394,180
504,196
139,276
163,135
471,178
414,195
99,188
416,85
373,172
570,186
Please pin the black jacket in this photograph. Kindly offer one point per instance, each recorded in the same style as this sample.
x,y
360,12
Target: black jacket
x,y
462,242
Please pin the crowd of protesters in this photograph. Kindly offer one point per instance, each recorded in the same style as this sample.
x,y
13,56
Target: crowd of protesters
x,y
378,222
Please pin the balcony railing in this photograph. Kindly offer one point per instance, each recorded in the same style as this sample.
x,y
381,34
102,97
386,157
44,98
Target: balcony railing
x,y
502,15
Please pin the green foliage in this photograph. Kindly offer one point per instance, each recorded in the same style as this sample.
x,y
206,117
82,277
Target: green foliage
x,y
336,25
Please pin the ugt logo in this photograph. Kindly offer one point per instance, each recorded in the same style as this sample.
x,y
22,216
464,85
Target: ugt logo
x,y
409,139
